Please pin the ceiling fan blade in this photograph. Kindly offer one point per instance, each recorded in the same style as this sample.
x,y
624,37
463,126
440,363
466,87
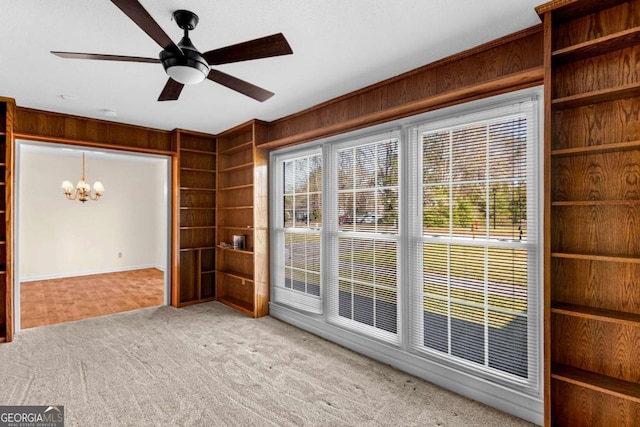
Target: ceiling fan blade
x,y
138,14
238,85
265,47
171,91
74,55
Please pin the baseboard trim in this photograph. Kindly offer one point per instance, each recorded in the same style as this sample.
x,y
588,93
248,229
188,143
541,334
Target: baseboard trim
x,y
89,272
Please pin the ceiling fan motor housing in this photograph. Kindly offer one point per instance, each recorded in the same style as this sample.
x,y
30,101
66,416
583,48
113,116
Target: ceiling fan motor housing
x,y
190,57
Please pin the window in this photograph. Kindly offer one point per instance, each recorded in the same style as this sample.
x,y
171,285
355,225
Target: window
x,y
364,291
417,243
299,227
476,265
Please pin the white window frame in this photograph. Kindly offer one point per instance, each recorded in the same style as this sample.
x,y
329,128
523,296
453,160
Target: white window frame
x,y
280,293
533,243
334,234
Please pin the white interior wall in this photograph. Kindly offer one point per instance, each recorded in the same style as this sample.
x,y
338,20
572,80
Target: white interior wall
x,y
122,231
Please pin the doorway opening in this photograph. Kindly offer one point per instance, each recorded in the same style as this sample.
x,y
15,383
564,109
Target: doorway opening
x,y
76,260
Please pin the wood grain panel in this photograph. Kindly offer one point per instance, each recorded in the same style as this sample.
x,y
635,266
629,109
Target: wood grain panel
x,y
596,346
239,261
235,178
194,141
595,409
590,27
197,179
237,136
597,230
197,217
199,160
603,123
188,276
589,283
593,26
197,238
379,103
197,199
237,197
236,158
617,68
233,288
42,125
605,176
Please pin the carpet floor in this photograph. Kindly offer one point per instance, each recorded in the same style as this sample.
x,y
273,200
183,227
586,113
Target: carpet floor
x,y
207,365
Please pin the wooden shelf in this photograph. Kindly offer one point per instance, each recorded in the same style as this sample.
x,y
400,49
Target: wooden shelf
x,y
237,167
630,260
236,187
198,170
193,150
593,313
208,271
238,304
231,208
598,46
197,189
196,208
240,251
194,227
583,99
248,228
237,148
596,203
197,248
566,10
596,149
601,383
237,275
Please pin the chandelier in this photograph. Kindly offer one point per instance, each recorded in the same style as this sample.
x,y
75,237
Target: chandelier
x,y
83,190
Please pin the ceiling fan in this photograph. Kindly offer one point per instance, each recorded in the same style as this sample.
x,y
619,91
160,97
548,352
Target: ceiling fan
x,y
184,63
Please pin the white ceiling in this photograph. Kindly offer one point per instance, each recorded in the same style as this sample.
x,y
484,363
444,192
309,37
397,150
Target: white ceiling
x,y
339,46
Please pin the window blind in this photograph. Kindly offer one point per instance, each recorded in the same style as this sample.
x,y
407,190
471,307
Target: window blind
x,y
298,232
474,293
363,294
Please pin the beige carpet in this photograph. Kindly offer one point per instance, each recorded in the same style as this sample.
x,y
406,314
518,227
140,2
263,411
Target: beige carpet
x,y
206,365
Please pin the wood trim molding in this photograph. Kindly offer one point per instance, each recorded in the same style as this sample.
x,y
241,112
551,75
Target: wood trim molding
x,y
62,128
9,218
516,81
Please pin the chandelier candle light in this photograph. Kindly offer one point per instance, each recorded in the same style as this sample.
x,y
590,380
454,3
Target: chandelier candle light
x,y
82,190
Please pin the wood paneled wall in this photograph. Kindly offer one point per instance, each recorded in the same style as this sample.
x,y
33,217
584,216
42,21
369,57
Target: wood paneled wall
x,y
63,128
504,65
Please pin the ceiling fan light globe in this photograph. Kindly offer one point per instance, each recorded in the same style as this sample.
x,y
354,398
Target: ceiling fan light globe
x,y
185,74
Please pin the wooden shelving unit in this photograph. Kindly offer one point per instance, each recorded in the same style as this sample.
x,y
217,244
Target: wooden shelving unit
x,y
197,218
592,228
7,110
242,275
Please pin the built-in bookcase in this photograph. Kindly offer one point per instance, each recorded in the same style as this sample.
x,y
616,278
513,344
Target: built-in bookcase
x,y
7,109
242,276
593,210
197,218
